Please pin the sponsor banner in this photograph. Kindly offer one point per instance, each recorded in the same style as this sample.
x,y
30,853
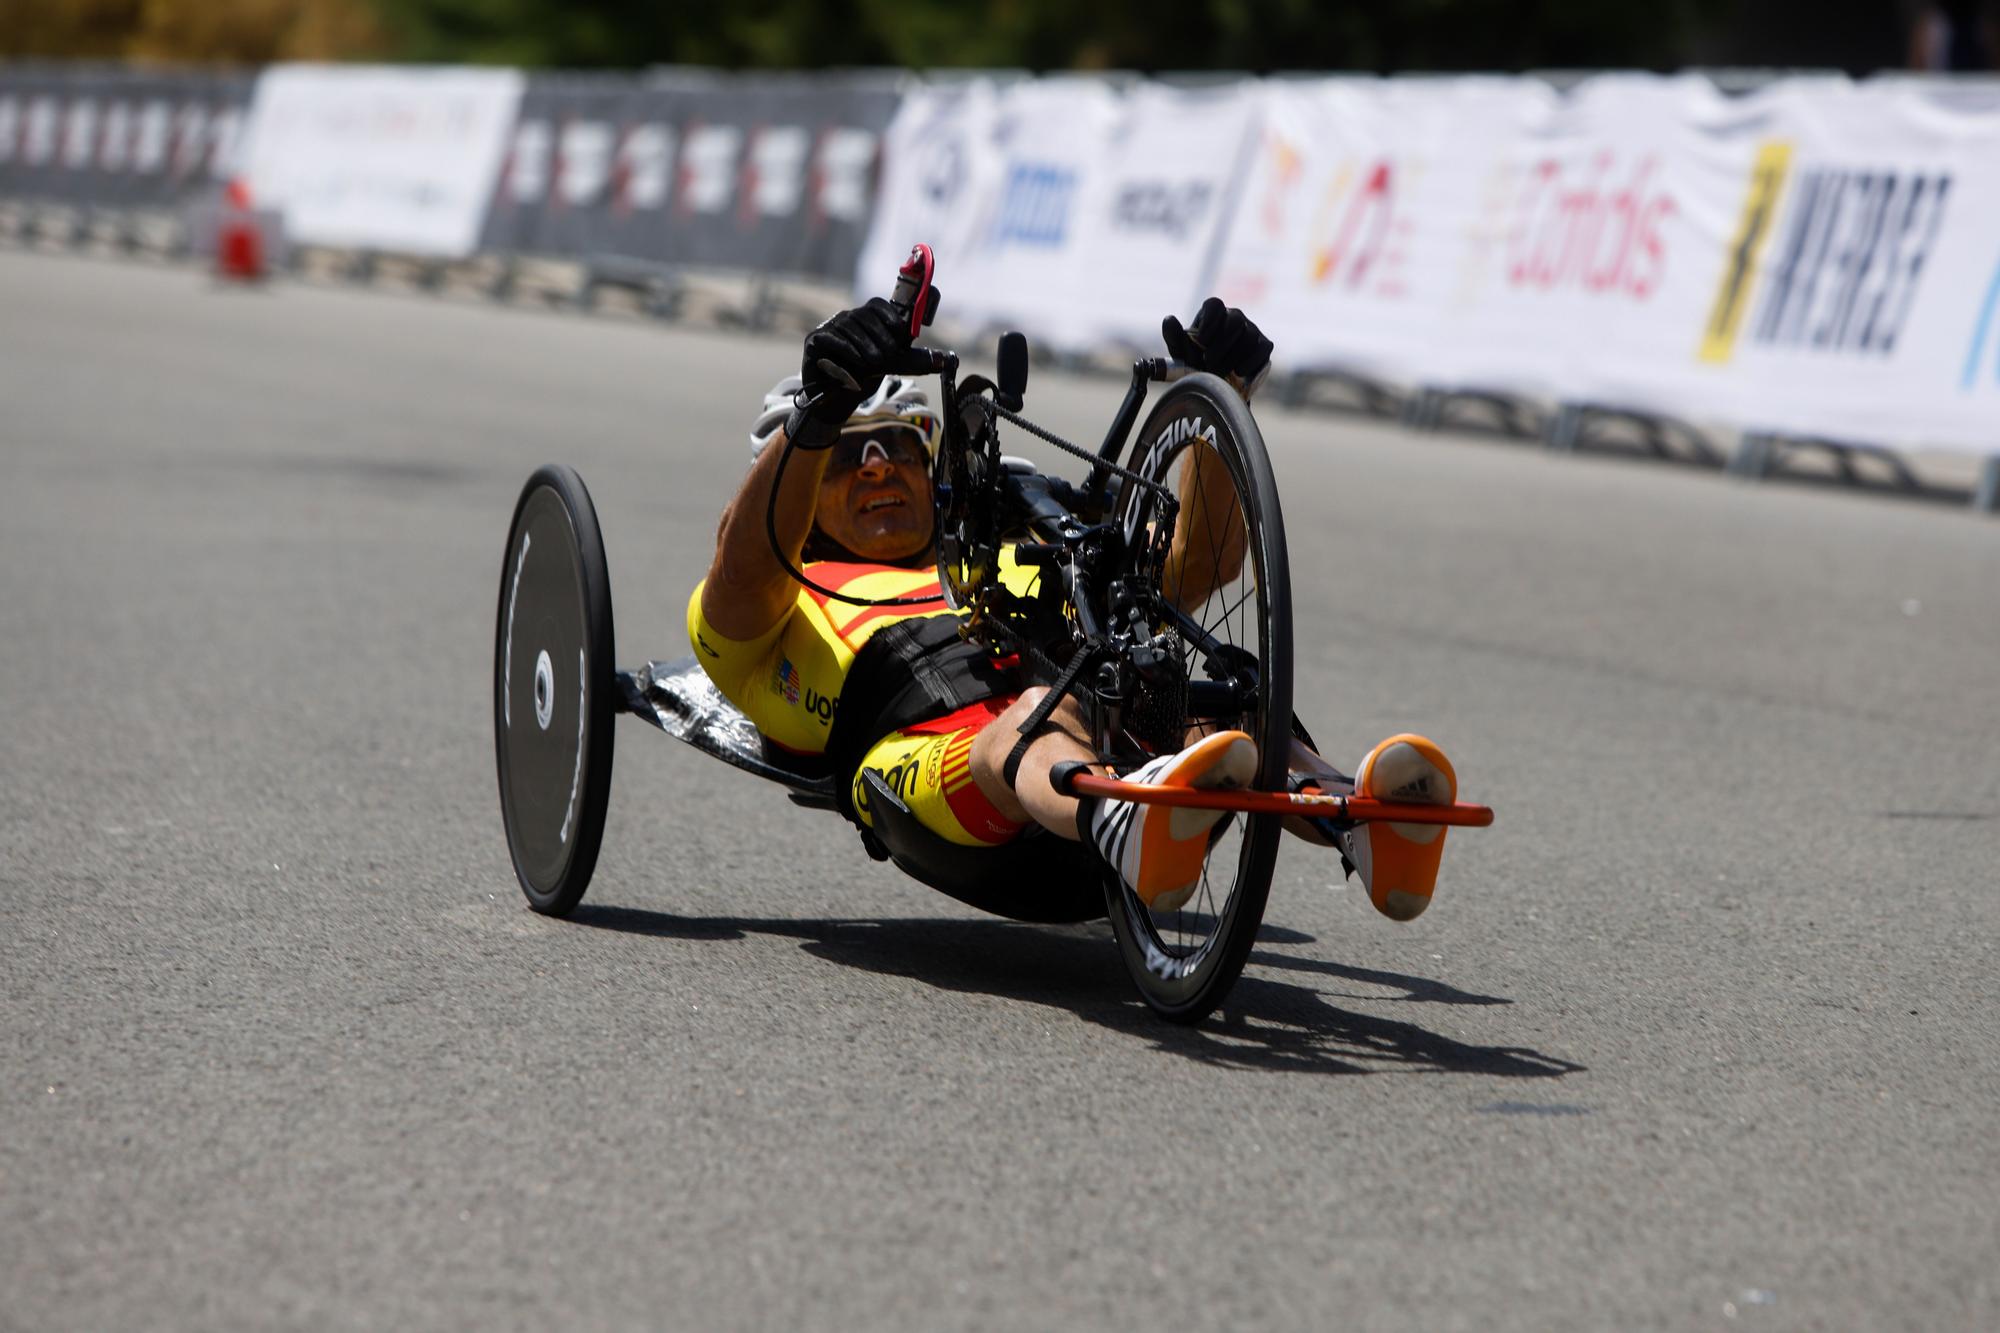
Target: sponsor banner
x,y
1366,208
1855,296
1164,186
558,172
779,175
380,157
771,175
1814,259
1599,219
1064,208
111,138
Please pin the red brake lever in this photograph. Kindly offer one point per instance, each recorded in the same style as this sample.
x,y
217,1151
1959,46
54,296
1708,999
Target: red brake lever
x,y
913,286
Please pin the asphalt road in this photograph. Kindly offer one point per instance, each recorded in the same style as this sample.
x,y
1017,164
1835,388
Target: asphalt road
x,y
1701,1033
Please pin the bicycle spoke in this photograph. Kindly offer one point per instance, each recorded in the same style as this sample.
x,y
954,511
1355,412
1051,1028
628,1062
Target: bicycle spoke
x,y
1231,609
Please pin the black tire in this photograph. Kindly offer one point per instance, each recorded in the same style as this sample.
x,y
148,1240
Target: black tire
x,y
1184,962
554,689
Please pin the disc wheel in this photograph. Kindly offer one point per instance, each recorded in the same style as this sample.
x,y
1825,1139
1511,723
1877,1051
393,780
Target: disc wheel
x,y
1227,588
553,689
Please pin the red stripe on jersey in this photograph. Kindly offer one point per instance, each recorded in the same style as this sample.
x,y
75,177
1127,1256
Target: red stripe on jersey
x,y
837,574
850,632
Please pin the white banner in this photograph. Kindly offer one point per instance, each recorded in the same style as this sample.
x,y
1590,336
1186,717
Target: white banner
x,y
1605,221
1855,296
1075,213
1815,259
1368,207
387,158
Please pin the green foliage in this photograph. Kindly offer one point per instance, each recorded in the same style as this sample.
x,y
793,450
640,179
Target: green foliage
x,y
1146,35
238,32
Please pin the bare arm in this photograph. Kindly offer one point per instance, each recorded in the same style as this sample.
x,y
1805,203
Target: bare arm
x,y
748,591
1210,539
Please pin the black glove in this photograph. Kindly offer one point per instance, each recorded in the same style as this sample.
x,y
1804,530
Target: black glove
x,y
1223,340
845,360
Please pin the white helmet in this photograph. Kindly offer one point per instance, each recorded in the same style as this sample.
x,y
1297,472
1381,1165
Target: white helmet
x,y
898,399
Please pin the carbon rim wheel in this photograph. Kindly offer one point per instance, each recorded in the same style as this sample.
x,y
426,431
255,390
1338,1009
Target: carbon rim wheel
x,y
1238,643
553,689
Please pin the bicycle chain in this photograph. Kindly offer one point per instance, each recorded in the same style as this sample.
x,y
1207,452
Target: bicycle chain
x,y
1085,454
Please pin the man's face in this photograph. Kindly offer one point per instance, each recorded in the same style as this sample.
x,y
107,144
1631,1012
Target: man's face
x,y
875,498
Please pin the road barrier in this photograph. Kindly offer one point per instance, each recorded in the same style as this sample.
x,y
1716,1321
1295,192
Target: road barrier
x,y
1811,260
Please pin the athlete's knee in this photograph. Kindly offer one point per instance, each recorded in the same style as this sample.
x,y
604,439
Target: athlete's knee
x,y
996,738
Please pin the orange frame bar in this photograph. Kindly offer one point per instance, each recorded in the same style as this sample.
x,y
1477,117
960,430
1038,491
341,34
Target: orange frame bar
x,y
1311,801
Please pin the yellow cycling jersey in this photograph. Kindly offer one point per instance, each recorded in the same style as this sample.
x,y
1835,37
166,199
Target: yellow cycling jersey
x,y
787,680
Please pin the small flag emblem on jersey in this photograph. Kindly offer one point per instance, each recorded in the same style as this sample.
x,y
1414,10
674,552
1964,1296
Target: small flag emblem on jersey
x,y
787,680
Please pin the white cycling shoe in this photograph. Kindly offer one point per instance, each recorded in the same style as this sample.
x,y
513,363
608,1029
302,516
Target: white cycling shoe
x,y
1159,850
1398,863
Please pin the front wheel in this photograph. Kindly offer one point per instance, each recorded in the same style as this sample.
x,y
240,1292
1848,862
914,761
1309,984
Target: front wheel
x,y
554,689
1227,604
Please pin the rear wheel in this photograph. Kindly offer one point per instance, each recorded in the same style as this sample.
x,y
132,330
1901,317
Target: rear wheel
x,y
553,689
1237,643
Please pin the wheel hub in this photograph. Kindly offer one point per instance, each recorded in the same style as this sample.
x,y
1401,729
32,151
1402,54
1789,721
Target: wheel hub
x,y
545,689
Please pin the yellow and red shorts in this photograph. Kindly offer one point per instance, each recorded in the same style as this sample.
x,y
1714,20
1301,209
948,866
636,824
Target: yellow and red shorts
x,y
929,767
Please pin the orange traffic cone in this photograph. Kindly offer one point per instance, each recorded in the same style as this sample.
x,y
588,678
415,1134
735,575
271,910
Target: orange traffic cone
x,y
239,243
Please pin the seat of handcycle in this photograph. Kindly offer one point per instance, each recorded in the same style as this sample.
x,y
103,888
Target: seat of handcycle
x,y
680,699
1036,877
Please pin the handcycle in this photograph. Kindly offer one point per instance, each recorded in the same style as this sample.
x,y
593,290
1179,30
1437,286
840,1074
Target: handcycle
x,y
1154,655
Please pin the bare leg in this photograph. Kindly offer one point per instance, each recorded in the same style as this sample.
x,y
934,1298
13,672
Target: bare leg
x,y
1157,852
1065,737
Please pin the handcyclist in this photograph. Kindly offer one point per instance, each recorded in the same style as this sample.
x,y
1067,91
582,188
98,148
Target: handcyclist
x,y
854,509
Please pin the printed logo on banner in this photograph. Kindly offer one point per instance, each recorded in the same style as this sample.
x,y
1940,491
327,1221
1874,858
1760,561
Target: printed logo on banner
x,y
583,162
774,170
1853,255
708,168
1171,208
1356,234
843,166
225,133
1753,229
1982,331
80,134
1287,166
941,174
525,175
643,169
1602,232
38,137
1282,167
116,149
190,152
149,143
1034,210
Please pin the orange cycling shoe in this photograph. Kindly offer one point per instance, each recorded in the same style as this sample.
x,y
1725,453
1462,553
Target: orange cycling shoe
x,y
1158,850
1398,863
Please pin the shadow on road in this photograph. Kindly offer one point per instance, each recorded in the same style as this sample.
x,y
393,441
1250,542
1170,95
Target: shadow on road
x,y
1265,1024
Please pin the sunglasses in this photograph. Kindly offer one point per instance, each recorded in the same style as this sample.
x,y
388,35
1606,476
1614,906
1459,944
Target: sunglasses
x,y
892,442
